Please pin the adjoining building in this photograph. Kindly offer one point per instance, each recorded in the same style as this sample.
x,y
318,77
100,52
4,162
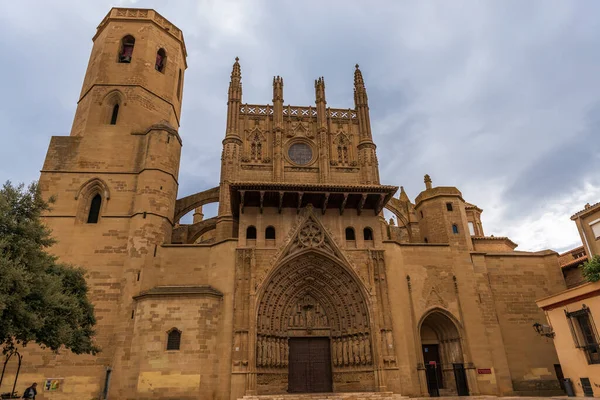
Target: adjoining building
x,y
573,313
298,284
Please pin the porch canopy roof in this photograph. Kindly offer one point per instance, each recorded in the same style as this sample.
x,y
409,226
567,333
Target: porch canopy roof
x,y
321,196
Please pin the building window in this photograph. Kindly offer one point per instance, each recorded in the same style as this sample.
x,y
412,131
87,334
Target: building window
x,y
449,206
94,209
161,60
368,234
114,115
179,86
126,52
471,228
425,240
251,233
350,233
454,229
174,339
421,214
270,233
596,228
584,333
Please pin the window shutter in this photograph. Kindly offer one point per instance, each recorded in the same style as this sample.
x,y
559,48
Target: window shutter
x,y
596,229
471,229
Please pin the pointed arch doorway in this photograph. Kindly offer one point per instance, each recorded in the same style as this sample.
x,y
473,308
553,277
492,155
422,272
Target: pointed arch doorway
x,y
313,327
443,357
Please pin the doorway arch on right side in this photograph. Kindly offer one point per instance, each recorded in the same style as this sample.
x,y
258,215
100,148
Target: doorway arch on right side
x,y
443,357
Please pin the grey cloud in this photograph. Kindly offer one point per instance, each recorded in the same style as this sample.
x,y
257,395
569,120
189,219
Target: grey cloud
x,y
470,92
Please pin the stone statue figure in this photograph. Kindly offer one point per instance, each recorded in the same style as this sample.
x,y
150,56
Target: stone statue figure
x,y
355,350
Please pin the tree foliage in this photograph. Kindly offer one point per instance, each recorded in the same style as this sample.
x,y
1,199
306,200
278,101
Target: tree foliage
x,y
591,269
41,299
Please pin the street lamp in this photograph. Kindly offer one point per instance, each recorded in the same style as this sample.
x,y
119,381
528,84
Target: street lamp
x,y
543,330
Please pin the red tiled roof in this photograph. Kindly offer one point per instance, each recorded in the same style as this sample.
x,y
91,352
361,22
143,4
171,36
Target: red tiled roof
x,y
575,250
574,262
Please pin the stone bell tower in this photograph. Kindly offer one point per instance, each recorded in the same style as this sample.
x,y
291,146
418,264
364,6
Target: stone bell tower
x,y
137,63
115,178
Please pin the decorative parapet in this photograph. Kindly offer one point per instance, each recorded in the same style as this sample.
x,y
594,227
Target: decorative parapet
x,y
296,111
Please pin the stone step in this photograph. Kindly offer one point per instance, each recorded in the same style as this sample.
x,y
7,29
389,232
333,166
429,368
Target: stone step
x,y
329,396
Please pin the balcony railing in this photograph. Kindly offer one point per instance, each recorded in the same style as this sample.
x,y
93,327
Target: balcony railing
x,y
593,353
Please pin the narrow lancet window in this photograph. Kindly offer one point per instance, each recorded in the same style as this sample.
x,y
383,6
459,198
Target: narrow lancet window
x,y
179,86
94,209
114,115
161,60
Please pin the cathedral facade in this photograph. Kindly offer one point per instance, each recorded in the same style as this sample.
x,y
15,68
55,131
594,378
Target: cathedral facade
x,y
299,284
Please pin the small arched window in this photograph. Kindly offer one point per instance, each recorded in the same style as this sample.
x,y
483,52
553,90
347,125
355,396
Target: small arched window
x,y
174,339
94,209
126,52
115,114
368,234
454,229
179,86
270,233
350,233
161,60
251,233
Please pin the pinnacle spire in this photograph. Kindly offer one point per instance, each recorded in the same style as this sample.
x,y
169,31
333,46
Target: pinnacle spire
x,y
277,88
236,73
427,181
403,195
320,90
358,78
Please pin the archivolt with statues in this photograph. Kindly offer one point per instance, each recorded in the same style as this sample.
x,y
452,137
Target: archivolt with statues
x,y
313,295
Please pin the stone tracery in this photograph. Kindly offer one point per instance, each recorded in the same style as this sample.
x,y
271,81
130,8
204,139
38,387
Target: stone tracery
x,y
342,143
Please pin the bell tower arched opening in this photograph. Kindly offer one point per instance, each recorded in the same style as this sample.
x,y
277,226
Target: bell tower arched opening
x,y
313,327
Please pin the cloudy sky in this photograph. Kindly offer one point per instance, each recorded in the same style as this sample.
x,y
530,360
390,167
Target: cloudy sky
x,y
498,98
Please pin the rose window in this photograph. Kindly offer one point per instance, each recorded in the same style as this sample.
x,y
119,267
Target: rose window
x,y
300,153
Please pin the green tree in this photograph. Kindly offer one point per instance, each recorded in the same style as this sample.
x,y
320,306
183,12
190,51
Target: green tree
x,y
591,269
41,300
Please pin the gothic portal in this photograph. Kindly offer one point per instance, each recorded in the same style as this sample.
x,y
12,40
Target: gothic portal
x,y
299,283
313,293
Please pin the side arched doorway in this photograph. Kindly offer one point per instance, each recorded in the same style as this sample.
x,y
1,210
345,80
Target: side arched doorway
x,y
443,357
313,331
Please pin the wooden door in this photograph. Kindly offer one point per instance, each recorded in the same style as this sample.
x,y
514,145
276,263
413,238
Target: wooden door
x,y
560,376
462,387
309,368
433,369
